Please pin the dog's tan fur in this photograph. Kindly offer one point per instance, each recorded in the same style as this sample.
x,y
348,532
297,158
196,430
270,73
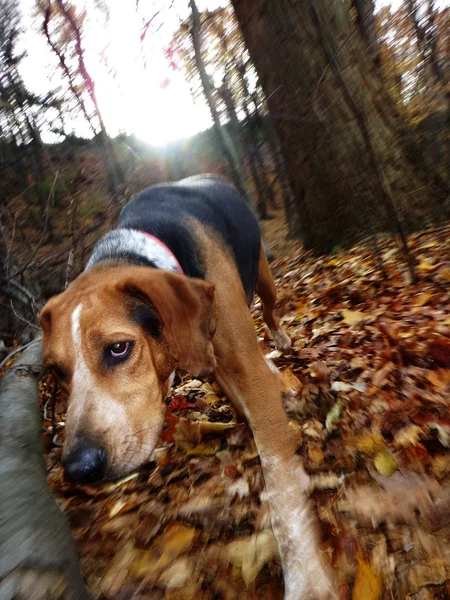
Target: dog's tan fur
x,y
207,327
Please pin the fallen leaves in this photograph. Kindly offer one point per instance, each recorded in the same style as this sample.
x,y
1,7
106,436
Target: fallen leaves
x,y
398,500
251,554
366,385
352,317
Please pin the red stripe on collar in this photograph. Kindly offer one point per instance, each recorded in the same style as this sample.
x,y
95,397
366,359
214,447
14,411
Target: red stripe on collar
x,y
158,241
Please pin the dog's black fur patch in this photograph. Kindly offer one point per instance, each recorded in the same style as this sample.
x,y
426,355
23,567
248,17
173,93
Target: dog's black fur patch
x,y
162,210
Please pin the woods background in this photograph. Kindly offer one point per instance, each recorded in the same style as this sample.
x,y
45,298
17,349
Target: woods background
x,y
337,114
332,118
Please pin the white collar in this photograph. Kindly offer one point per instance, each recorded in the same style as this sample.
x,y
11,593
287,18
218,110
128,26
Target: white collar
x,y
131,241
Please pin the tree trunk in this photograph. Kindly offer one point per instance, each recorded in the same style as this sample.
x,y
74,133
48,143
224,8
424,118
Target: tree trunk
x,y
37,556
337,131
265,191
246,150
224,138
365,19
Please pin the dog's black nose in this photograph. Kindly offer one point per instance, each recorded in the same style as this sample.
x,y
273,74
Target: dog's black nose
x,y
85,464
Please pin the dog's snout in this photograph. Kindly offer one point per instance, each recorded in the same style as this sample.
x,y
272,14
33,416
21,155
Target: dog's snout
x,y
85,464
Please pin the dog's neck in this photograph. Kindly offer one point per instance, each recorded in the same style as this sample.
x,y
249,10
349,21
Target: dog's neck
x,y
133,246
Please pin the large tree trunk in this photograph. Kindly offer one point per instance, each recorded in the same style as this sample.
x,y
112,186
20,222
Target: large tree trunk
x,y
338,133
37,557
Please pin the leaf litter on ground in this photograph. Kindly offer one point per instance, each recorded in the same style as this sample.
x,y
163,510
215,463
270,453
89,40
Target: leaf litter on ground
x,y
367,388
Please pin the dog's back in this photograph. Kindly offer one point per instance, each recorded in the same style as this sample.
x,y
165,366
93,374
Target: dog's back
x,y
166,211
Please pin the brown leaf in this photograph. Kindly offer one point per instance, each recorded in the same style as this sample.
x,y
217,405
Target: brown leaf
x,y
432,571
441,465
408,436
381,376
177,540
403,494
315,455
187,434
439,352
320,371
367,443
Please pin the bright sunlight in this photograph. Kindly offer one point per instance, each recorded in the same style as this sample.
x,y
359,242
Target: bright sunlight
x,y
137,90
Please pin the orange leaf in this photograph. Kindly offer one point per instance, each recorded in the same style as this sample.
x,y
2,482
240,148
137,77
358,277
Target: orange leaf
x,y
320,371
368,585
290,382
439,378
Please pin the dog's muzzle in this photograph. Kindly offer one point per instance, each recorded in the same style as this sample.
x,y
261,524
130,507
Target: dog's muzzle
x,y
85,464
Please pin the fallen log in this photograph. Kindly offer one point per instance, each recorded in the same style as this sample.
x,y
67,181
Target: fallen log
x,y
37,554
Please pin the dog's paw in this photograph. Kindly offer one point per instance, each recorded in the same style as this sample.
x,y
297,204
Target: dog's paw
x,y
281,339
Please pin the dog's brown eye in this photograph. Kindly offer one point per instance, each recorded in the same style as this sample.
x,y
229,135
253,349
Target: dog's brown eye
x,y
119,349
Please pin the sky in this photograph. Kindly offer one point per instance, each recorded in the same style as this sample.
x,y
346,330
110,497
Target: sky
x,y
146,99
152,101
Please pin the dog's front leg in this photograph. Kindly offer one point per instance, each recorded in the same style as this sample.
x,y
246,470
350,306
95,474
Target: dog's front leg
x,y
247,380
257,393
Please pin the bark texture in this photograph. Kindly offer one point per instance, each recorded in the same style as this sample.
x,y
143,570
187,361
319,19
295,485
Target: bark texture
x,y
37,556
338,132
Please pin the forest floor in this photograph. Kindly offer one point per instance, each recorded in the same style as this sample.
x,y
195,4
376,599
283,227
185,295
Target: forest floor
x,y
367,384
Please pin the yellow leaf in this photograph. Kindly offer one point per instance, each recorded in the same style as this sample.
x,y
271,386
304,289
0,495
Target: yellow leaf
x,y
204,449
368,443
422,299
334,262
351,317
444,274
425,266
211,399
249,456
211,427
116,508
368,585
207,388
385,463
429,245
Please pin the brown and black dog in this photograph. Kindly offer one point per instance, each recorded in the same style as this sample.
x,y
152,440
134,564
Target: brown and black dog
x,y
170,289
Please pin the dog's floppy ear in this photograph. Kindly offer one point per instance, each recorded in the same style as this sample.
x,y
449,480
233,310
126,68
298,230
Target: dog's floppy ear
x,y
186,308
46,322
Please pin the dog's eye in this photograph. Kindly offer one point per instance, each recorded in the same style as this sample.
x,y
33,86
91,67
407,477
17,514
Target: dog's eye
x,y
118,350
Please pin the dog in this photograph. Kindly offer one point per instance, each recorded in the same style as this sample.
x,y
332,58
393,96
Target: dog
x,y
168,289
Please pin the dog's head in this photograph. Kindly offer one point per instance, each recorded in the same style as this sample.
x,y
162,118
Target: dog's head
x,y
115,337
